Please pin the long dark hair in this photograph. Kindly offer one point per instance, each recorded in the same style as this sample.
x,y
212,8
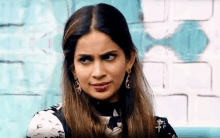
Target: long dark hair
x,y
135,103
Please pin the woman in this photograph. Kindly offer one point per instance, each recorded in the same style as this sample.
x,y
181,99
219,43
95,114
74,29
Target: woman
x,y
104,90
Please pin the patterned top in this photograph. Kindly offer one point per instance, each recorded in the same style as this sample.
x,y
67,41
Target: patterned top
x,y
50,123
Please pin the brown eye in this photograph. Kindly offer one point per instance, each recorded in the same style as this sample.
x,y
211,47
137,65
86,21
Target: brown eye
x,y
85,60
109,57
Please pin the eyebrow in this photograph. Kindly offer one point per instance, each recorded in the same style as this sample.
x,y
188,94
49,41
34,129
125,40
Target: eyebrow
x,y
107,53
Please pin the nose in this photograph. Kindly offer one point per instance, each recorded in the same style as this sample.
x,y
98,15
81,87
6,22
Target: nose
x,y
98,70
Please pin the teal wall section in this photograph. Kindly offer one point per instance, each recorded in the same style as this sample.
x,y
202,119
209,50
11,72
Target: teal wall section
x,y
197,132
31,56
188,41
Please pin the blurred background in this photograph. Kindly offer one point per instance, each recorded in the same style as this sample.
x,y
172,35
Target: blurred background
x,y
178,43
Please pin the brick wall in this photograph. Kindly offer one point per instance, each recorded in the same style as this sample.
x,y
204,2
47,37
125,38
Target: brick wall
x,y
181,59
177,42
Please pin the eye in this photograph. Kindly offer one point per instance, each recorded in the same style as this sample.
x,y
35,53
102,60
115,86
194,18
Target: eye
x,y
109,57
85,60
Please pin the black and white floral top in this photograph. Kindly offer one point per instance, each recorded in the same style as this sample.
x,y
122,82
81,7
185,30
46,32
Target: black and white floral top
x,y
50,123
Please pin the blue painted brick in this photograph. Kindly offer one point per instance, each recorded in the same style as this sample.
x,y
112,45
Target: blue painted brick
x,y
4,77
57,99
11,43
12,79
57,43
136,31
36,75
16,112
42,43
54,86
71,7
12,12
60,10
80,3
188,41
39,12
24,77
9,29
129,8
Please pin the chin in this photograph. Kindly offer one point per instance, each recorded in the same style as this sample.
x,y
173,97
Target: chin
x,y
105,97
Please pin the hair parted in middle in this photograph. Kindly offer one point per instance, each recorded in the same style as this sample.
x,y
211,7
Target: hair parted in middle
x,y
135,103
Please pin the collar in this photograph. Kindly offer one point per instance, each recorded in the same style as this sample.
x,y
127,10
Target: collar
x,y
104,108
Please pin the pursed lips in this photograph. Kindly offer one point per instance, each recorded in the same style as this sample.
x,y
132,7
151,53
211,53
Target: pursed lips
x,y
101,87
101,84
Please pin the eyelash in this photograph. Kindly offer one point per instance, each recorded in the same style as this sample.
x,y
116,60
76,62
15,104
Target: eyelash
x,y
82,60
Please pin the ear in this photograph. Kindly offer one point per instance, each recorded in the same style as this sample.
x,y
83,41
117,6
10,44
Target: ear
x,y
131,61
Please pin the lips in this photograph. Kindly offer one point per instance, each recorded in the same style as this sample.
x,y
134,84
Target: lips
x,y
101,87
101,84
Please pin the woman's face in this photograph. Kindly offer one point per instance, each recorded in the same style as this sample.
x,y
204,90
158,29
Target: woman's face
x,y
100,66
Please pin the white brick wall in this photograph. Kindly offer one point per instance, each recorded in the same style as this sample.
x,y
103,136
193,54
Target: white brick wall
x,y
191,76
178,103
207,110
187,93
154,72
192,9
154,10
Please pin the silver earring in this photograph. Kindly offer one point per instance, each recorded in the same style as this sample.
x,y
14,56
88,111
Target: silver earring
x,y
128,79
77,84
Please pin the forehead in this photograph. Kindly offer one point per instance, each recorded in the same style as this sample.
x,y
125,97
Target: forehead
x,y
96,42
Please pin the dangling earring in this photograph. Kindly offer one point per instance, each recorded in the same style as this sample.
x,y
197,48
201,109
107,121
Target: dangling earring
x,y
128,79
77,84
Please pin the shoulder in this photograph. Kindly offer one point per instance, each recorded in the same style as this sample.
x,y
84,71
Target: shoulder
x,y
163,128
46,124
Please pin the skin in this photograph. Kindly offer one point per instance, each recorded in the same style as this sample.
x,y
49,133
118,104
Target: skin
x,y
96,68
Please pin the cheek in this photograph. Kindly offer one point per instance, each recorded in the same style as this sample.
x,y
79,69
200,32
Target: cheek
x,y
118,72
81,73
